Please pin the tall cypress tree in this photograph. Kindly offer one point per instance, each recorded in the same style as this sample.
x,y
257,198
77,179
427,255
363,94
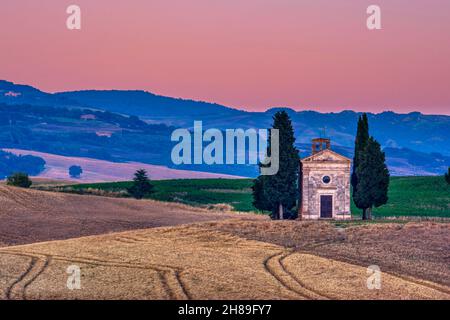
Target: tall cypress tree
x,y
279,193
362,137
141,186
259,197
361,140
373,179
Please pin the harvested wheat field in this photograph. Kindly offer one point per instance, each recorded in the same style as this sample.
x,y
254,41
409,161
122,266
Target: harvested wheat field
x,y
407,249
189,262
28,216
172,251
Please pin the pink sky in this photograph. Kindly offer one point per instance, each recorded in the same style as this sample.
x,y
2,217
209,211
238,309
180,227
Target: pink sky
x,y
248,54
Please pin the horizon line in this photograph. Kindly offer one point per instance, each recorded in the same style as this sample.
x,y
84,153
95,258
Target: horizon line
x,y
228,106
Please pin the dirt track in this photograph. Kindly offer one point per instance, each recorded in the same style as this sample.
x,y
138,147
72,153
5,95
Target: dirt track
x,y
28,216
413,249
189,262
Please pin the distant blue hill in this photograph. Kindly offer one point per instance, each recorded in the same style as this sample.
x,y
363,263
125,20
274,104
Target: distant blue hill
x,y
145,104
407,138
424,133
11,93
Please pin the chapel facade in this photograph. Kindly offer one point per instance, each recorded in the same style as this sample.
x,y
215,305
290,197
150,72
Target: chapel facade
x,y
325,183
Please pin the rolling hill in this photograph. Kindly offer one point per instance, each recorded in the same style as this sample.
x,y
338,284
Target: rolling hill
x,y
148,105
131,249
94,170
415,144
200,264
29,216
408,196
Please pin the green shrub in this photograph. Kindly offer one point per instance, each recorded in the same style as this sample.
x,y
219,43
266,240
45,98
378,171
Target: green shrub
x,y
141,185
19,179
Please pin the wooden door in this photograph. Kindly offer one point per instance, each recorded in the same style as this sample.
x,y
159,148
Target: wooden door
x,y
326,206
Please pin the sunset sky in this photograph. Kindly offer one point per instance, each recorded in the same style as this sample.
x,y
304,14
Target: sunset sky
x,y
247,54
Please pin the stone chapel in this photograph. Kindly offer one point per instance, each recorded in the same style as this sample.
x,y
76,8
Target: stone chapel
x,y
326,183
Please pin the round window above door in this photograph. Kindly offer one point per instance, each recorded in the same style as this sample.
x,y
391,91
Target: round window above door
x,y
326,179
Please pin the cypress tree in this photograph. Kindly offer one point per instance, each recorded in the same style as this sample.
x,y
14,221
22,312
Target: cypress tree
x,y
361,140
373,179
279,193
141,185
259,198
362,137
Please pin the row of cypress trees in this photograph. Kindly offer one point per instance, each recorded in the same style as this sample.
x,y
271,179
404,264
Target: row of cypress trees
x,y
279,193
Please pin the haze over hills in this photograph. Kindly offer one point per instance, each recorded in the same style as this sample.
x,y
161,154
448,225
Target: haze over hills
x,y
11,93
148,105
415,143
131,102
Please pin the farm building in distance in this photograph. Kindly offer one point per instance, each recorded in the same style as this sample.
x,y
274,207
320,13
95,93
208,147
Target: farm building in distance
x,y
326,183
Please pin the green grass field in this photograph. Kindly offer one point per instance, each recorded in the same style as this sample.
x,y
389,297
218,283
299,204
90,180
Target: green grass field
x,y
235,192
416,196
408,196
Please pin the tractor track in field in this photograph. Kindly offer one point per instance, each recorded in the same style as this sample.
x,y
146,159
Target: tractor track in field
x,y
183,286
129,239
305,291
273,265
37,265
310,250
10,288
43,266
174,286
423,283
168,275
314,293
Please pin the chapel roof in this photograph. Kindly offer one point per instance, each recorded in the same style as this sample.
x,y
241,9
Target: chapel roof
x,y
326,155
